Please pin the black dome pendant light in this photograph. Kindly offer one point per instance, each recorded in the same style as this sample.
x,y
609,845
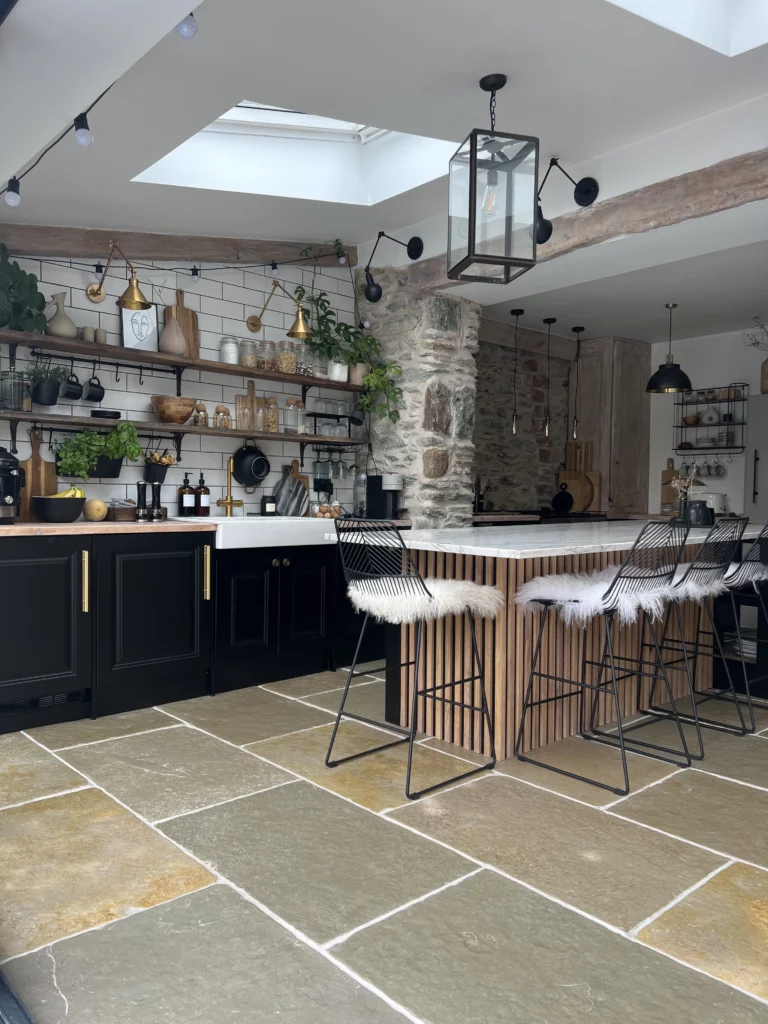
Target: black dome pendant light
x,y
585,192
516,313
669,379
414,247
548,320
575,425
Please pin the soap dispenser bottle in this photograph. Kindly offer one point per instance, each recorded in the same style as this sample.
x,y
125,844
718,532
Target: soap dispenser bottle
x,y
186,498
202,498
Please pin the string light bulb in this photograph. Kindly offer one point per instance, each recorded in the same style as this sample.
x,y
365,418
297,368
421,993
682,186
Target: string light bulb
x,y
196,273
13,192
83,134
274,270
187,27
342,259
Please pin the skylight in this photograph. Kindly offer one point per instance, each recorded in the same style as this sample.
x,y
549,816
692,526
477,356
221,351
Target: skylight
x,y
730,27
266,150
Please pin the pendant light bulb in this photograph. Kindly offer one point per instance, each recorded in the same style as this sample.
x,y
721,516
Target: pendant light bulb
x,y
83,134
187,27
546,426
489,196
516,313
13,192
514,422
575,425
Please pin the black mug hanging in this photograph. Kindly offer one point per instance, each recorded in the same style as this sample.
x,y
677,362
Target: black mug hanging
x,y
71,388
93,390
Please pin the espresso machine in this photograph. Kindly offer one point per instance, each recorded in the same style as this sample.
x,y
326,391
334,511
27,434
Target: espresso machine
x,y
12,479
382,496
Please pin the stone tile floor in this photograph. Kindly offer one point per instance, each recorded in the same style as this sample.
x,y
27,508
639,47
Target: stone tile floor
x,y
198,862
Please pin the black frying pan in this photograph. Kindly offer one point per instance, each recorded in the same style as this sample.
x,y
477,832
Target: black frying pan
x,y
249,465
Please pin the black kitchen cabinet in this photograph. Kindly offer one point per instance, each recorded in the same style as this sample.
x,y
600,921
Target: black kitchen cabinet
x,y
45,630
153,619
274,614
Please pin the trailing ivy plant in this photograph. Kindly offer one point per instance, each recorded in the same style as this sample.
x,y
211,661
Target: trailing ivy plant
x,y
22,305
381,393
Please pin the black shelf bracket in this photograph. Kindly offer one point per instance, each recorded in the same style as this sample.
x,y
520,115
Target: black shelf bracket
x,y
179,372
14,426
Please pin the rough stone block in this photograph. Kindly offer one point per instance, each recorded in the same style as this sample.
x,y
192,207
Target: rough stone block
x,y
438,415
443,313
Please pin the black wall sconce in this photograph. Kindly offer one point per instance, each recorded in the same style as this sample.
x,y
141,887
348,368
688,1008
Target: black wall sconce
x,y
414,247
585,192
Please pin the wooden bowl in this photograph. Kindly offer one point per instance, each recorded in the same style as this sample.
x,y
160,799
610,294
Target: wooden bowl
x,y
689,421
172,408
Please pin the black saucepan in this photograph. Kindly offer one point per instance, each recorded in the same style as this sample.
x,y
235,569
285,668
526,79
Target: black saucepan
x,y
250,465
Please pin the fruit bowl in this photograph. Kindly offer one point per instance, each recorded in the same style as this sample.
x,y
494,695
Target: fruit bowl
x,y
57,510
172,408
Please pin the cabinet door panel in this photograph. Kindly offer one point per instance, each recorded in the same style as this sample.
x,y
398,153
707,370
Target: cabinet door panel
x,y
305,606
153,624
44,632
247,588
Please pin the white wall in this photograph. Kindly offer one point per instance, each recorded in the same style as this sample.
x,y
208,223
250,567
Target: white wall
x,y
223,300
712,361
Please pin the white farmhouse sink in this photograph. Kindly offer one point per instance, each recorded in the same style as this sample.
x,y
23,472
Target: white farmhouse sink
x,y
269,531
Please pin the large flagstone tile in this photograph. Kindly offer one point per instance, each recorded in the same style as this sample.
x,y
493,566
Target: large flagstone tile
x,y
366,700
27,772
160,774
615,870
322,864
89,730
721,928
246,716
725,816
489,951
307,686
75,861
211,957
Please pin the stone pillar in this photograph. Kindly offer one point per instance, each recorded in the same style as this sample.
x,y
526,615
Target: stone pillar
x,y
434,339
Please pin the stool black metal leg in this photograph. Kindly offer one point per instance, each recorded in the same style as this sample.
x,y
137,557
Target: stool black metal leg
x,y
596,691
414,710
671,695
691,687
359,718
483,699
529,687
747,691
583,678
662,643
617,704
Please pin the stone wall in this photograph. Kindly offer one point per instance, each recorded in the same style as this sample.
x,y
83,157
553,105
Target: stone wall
x,y
523,467
434,339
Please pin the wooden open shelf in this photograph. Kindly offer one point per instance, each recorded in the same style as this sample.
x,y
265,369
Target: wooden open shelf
x,y
138,357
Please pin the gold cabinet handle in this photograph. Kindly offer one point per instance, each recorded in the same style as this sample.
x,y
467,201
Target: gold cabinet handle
x,y
286,562
85,581
206,572
275,563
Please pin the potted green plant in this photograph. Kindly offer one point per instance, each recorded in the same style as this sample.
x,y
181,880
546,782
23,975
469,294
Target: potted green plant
x,y
45,380
326,342
21,304
381,393
362,350
89,454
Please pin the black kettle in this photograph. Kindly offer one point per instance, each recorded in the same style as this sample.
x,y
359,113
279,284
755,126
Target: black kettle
x,y
697,513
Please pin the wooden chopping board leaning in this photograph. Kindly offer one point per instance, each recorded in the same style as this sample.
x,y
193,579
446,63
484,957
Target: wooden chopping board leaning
x,y
40,478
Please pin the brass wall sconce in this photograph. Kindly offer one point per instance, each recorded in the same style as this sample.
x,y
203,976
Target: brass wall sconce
x,y
300,328
132,297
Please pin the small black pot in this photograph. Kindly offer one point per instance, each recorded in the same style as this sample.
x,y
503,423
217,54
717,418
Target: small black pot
x,y
45,392
107,468
154,473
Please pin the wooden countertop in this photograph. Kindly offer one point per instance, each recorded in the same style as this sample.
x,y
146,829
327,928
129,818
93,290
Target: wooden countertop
x,y
84,527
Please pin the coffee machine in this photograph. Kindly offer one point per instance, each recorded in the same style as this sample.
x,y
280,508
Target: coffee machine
x,y
12,479
382,496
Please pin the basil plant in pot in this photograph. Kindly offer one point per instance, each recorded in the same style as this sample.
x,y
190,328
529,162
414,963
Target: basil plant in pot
x,y
89,454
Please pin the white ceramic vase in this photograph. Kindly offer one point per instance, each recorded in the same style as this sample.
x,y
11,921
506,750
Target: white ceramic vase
x,y
172,340
60,325
338,371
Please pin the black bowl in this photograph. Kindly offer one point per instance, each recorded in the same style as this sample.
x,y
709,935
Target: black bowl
x,y
57,510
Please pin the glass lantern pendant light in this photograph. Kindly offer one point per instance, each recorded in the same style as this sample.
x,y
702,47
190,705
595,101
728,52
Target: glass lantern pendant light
x,y
492,179
516,313
669,379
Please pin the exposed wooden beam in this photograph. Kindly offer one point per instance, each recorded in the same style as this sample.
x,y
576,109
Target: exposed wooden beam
x,y
496,333
43,240
721,186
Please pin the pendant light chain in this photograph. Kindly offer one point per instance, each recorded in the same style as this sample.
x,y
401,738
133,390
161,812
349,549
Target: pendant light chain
x,y
548,321
492,106
575,424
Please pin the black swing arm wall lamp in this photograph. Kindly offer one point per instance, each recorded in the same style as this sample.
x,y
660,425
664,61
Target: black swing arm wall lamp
x,y
414,247
585,192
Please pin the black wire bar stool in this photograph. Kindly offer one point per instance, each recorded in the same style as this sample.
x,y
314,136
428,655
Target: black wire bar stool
x,y
643,577
701,581
383,580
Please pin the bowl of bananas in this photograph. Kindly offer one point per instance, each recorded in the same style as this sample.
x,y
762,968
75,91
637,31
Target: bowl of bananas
x,y
64,507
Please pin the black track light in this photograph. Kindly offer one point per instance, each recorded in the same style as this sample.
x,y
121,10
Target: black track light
x,y
585,192
414,247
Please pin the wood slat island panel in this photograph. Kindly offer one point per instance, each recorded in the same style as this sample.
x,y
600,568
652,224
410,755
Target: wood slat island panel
x,y
506,644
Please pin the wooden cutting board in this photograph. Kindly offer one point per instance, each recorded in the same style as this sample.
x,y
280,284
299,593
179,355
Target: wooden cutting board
x,y
581,489
302,477
41,478
187,320
578,456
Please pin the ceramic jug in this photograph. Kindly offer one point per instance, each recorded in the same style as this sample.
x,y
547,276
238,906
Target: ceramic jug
x,y
172,340
60,325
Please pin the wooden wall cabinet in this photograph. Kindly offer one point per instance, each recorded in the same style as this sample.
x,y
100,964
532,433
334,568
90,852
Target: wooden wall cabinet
x,y
613,411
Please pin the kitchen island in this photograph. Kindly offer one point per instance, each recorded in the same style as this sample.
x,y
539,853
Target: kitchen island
x,y
506,557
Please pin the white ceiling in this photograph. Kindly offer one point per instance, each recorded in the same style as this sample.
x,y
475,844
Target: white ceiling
x,y
587,77
715,293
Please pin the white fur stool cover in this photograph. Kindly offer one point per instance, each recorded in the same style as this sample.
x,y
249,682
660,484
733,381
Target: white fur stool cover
x,y
580,596
449,597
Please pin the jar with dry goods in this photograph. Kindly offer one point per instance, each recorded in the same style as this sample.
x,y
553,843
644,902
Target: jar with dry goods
x,y
268,356
272,416
301,418
248,353
286,356
305,366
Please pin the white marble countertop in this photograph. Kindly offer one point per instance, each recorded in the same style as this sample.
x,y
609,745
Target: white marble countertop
x,y
542,541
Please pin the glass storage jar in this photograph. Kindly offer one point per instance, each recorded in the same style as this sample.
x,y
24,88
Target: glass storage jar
x,y
319,366
301,418
290,419
248,353
304,362
11,389
272,416
286,356
268,351
230,350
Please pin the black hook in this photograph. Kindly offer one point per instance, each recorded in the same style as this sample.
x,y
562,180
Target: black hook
x,y
141,376
117,373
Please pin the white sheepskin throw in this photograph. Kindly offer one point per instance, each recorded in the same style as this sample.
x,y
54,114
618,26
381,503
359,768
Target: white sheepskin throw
x,y
449,597
695,590
580,596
